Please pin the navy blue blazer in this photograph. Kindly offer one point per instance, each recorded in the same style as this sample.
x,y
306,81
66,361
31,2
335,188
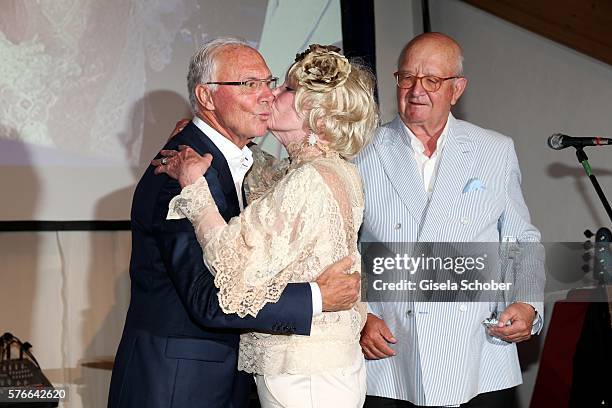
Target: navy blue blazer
x,y
178,348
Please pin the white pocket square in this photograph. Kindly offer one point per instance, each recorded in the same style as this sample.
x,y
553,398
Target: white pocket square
x,y
474,185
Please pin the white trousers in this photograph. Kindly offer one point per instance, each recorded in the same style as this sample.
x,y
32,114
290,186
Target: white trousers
x,y
337,388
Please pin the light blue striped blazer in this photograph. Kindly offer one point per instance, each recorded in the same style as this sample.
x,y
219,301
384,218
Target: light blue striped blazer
x,y
443,356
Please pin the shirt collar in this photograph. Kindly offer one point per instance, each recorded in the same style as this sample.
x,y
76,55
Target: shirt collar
x,y
418,146
233,154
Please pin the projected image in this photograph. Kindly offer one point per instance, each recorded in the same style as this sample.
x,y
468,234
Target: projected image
x,y
77,68
88,85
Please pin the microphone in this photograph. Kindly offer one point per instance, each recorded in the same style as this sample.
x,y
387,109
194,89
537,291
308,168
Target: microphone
x,y
560,141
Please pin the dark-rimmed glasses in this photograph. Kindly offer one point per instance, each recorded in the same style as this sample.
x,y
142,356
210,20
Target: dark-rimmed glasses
x,y
430,83
252,85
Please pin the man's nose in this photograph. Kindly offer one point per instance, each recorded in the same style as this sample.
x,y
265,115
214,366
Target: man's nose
x,y
418,89
267,95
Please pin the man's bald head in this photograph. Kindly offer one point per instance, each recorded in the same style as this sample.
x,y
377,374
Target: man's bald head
x,y
442,43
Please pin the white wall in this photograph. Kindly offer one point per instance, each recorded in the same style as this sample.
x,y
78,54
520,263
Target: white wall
x,y
396,23
67,294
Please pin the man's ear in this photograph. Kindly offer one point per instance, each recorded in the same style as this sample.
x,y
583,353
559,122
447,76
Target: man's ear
x,y
204,96
458,88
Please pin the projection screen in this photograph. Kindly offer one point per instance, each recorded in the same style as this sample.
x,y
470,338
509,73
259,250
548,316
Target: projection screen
x,y
90,90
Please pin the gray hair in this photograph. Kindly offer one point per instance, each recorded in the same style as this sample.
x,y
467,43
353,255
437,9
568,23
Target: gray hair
x,y
202,67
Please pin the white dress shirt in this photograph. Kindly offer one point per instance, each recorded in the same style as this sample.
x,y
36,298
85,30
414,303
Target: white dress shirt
x,y
239,162
428,166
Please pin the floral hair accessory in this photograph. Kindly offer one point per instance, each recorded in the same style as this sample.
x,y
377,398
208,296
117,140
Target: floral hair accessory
x,y
321,68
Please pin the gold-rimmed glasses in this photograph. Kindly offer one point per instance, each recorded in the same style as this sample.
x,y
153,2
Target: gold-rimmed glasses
x,y
430,83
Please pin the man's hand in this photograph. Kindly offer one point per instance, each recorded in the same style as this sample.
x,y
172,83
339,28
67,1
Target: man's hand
x,y
374,338
339,287
522,316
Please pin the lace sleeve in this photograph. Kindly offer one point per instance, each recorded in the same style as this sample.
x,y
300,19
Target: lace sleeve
x,y
197,204
254,255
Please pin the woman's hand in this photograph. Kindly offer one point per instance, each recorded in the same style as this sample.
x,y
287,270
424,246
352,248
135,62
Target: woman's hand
x,y
184,165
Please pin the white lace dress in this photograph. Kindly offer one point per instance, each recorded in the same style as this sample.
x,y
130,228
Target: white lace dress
x,y
307,221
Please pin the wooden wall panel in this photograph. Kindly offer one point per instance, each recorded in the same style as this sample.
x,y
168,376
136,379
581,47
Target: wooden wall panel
x,y
584,25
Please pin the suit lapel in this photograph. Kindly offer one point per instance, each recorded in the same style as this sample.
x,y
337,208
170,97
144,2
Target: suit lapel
x,y
397,158
202,144
454,171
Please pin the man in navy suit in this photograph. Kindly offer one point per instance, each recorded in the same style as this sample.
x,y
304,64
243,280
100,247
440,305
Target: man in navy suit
x,y
178,348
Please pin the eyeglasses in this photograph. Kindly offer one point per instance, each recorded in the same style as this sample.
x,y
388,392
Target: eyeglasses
x,y
430,83
252,85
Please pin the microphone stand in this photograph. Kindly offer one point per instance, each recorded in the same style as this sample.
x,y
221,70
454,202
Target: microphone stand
x,y
584,160
596,331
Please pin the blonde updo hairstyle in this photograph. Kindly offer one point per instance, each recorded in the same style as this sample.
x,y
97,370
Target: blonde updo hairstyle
x,y
335,97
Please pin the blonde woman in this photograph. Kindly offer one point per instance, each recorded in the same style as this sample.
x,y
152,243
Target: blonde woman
x,y
324,114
